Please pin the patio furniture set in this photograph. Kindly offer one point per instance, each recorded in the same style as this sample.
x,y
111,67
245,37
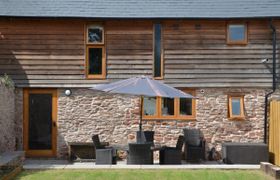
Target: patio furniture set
x,y
141,152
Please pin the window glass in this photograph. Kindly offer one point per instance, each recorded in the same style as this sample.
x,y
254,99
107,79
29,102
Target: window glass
x,y
95,35
236,108
237,32
185,106
167,106
157,50
149,106
95,61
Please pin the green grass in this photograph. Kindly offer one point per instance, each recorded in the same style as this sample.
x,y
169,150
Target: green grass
x,y
143,175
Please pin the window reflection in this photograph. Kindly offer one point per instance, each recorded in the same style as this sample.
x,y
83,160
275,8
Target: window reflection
x,y
167,106
149,106
237,32
95,35
236,108
185,106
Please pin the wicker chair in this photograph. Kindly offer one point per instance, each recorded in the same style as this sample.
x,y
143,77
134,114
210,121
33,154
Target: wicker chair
x,y
145,137
103,153
172,155
140,153
194,145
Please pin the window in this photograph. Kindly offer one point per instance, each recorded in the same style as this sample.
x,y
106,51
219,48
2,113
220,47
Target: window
x,y
236,107
237,33
169,108
149,106
95,52
158,64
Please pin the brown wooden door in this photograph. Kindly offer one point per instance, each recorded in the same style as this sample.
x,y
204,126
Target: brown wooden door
x,y
40,112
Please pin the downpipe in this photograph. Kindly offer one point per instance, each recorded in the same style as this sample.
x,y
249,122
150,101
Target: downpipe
x,y
272,27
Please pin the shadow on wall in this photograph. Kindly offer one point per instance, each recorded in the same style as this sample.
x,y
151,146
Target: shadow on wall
x,y
13,56
7,117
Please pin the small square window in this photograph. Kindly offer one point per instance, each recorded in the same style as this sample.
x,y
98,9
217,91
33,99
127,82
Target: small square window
x,y
237,34
236,107
95,35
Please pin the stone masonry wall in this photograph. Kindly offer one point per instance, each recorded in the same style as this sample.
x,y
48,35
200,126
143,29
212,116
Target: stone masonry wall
x,y
7,119
116,118
86,112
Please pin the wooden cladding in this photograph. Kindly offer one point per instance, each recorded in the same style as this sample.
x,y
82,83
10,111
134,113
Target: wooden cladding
x,y
53,53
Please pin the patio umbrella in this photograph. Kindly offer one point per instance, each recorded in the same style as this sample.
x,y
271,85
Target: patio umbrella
x,y
142,86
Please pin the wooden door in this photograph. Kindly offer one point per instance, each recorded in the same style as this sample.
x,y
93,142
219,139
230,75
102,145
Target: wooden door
x,y
39,125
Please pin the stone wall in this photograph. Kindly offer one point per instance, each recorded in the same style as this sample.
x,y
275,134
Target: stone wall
x,y
86,112
116,118
7,119
19,118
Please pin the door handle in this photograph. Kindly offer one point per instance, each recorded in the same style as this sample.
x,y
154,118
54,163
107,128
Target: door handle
x,y
54,124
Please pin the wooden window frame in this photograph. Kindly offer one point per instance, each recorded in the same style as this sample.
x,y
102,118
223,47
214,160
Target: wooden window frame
x,y
95,45
158,115
242,114
242,42
161,53
97,26
96,76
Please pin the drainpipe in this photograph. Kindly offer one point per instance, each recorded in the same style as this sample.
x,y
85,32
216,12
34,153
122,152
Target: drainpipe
x,y
272,27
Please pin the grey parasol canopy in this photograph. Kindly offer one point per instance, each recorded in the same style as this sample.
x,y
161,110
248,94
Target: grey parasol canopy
x,y
142,86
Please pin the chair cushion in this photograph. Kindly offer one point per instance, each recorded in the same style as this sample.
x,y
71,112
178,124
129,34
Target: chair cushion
x,y
180,142
96,142
192,137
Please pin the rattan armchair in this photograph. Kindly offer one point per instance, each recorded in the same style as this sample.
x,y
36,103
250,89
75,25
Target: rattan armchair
x,y
103,153
172,155
194,145
140,153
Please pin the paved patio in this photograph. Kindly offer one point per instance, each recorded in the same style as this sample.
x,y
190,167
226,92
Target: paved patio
x,y
32,164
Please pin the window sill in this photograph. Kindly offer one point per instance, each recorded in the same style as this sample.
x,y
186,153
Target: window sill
x,y
236,118
170,118
236,43
158,78
96,77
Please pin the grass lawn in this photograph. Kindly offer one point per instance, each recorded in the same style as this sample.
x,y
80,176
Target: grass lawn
x,y
143,174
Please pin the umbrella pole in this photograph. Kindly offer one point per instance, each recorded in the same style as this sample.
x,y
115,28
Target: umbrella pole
x,y
141,112
140,138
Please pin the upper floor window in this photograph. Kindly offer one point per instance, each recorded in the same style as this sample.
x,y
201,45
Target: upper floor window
x,y
169,108
95,34
158,60
95,52
236,107
237,33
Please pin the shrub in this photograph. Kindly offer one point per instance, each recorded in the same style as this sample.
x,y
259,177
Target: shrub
x,y
7,81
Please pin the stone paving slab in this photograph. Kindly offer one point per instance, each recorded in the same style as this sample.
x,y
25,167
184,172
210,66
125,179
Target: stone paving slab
x,y
61,164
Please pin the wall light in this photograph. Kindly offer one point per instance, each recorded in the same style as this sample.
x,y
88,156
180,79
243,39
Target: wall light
x,y
67,92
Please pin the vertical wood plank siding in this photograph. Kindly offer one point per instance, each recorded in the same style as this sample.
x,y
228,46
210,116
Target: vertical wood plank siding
x,y
51,53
